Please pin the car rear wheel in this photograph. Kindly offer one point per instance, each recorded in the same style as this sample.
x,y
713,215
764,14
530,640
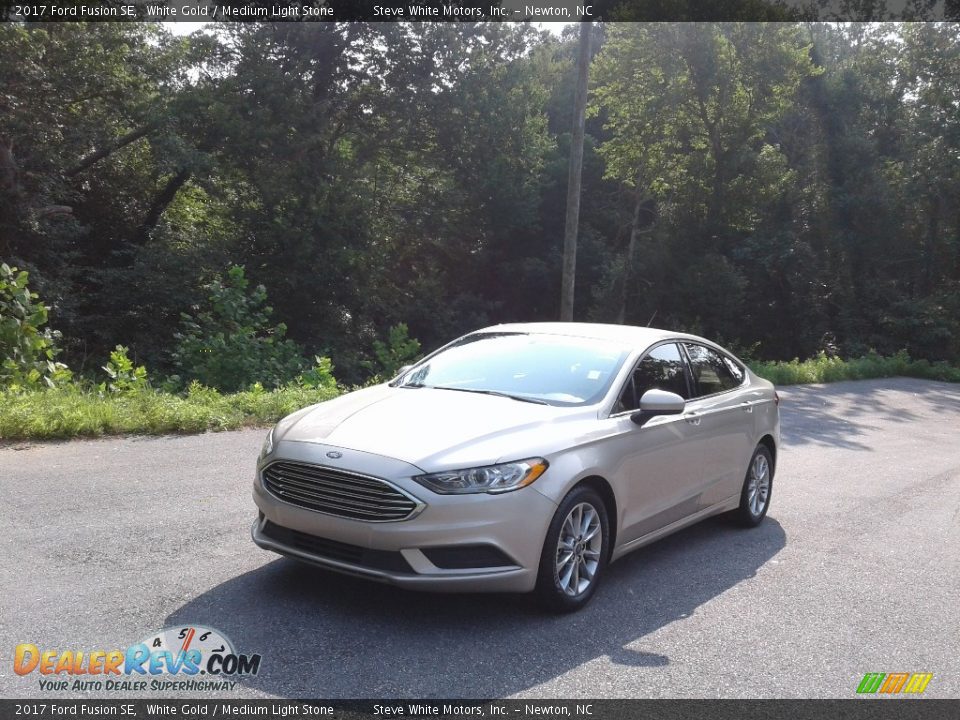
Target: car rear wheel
x,y
575,551
757,488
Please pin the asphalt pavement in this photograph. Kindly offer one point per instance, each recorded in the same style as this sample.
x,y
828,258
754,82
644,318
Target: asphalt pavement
x,y
855,570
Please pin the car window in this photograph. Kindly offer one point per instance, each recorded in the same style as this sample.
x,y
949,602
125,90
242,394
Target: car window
x,y
661,368
554,369
712,372
734,368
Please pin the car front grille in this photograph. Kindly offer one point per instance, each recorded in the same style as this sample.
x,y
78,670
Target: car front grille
x,y
336,492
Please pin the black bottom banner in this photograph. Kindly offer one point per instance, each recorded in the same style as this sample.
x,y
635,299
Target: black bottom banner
x,y
855,709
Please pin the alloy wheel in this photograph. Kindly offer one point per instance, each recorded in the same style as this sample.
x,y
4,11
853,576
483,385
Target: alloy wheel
x,y
578,549
758,485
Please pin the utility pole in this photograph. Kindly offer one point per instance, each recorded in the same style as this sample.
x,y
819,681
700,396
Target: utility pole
x,y
573,180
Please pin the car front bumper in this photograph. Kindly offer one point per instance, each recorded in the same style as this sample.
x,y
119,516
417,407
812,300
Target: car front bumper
x,y
469,543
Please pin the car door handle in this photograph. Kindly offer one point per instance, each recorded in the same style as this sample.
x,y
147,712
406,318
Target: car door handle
x,y
692,418
747,407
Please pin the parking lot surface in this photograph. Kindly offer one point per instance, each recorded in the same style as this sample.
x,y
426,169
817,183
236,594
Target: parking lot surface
x,y
855,570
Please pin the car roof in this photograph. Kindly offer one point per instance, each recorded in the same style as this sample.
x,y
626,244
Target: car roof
x,y
627,334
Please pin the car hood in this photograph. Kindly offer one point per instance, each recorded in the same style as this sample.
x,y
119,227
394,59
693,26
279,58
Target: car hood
x,y
435,429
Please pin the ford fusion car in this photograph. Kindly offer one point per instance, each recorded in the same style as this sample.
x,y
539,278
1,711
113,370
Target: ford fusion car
x,y
522,457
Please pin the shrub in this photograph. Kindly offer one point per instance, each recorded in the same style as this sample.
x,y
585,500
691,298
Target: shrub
x,y
27,349
229,343
399,350
320,375
124,377
823,368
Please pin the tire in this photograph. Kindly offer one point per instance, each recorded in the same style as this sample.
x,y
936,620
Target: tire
x,y
757,489
573,561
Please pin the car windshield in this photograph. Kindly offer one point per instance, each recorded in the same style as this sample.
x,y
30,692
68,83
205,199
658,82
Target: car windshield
x,y
549,369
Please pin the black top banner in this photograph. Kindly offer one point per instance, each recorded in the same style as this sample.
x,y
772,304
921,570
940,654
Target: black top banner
x,y
477,10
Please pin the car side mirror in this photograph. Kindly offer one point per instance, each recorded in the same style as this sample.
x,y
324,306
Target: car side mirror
x,y
658,402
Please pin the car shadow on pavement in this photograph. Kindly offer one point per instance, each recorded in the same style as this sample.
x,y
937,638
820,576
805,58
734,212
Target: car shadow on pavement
x,y
327,635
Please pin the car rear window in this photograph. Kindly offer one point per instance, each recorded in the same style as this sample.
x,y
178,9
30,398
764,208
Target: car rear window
x,y
711,371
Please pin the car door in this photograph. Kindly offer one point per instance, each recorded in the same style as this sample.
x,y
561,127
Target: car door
x,y
725,415
659,466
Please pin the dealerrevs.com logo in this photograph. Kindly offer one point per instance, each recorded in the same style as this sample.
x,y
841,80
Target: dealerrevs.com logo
x,y
194,658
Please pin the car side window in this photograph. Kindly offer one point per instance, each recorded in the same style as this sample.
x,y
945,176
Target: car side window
x,y
712,372
661,368
735,369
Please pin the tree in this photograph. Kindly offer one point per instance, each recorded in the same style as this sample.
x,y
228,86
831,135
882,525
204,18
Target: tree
x,y
568,280
689,109
803,179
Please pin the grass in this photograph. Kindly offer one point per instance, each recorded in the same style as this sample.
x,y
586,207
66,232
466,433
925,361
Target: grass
x,y
84,411
70,412
824,369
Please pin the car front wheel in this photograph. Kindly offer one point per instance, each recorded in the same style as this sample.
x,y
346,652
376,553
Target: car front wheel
x,y
757,487
575,551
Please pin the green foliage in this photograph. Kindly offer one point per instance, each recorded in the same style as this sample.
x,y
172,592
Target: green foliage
x,y
229,344
65,412
320,375
27,349
825,369
683,102
124,377
803,178
400,349
688,111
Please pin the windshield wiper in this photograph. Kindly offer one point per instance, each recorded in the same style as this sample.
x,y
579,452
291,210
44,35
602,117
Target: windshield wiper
x,y
497,393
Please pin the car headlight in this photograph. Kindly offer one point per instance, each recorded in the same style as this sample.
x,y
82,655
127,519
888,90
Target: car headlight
x,y
267,444
490,479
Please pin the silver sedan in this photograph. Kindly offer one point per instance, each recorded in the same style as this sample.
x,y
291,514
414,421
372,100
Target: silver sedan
x,y
523,457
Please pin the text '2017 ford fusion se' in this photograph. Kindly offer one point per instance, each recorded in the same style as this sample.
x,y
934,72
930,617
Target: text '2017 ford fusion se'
x,y
521,457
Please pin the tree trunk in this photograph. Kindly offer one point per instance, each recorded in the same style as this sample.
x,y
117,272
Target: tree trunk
x,y
103,152
9,172
933,241
628,260
161,202
573,181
